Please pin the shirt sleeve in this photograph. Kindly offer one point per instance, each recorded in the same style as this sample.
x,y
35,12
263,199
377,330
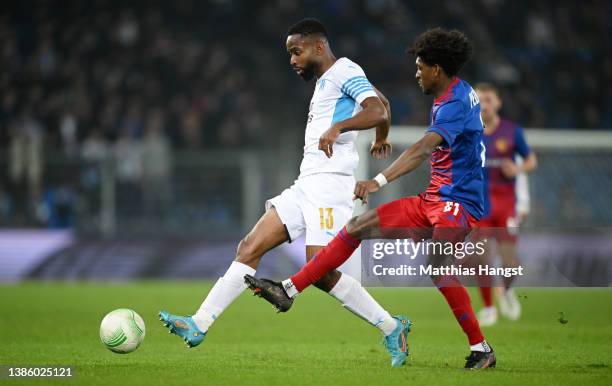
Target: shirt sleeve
x,y
448,121
355,84
520,144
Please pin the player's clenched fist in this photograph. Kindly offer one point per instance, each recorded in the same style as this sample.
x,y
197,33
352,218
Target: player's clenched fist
x,y
381,149
327,140
363,188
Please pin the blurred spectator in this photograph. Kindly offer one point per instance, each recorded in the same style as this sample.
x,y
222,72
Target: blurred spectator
x,y
156,165
191,128
68,131
94,147
128,158
25,163
95,154
128,154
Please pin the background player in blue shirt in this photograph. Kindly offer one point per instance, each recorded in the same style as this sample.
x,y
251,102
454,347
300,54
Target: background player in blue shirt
x,y
445,212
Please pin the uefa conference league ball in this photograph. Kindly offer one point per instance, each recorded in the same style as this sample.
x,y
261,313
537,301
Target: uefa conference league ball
x,y
122,331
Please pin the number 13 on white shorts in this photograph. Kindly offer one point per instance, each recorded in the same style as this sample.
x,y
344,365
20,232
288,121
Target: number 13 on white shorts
x,y
327,218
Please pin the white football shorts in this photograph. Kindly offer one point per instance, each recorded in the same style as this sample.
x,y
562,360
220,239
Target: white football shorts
x,y
318,204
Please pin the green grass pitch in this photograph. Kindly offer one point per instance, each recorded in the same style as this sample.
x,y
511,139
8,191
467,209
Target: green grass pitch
x,y
317,342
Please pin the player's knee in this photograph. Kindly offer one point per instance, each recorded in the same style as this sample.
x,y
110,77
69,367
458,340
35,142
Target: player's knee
x,y
364,226
247,252
354,228
327,282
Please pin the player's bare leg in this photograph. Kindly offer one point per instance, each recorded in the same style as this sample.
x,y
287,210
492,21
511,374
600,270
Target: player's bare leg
x,y
509,305
268,233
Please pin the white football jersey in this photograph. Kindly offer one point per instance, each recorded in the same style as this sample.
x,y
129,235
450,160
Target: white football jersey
x,y
337,96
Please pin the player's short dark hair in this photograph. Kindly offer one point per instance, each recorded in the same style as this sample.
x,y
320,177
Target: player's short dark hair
x,y
484,86
448,49
308,26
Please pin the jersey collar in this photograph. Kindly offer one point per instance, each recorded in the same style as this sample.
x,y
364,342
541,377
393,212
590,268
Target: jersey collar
x,y
329,69
446,93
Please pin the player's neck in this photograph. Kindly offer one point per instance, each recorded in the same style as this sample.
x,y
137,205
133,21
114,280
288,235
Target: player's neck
x,y
328,61
444,84
492,124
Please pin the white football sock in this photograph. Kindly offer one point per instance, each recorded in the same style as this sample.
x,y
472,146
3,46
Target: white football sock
x,y
482,347
357,300
290,289
222,294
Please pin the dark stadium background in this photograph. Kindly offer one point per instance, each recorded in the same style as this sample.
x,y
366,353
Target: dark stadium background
x,y
141,139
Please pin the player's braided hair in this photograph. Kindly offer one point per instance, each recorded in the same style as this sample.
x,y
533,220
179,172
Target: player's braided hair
x,y
308,26
448,49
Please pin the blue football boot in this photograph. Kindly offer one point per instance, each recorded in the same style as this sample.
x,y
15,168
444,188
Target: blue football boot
x,y
183,326
397,342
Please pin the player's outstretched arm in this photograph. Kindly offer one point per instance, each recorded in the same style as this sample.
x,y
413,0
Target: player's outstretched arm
x,y
373,114
409,160
412,157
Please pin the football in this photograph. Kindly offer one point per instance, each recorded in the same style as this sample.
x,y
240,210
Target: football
x,y
122,331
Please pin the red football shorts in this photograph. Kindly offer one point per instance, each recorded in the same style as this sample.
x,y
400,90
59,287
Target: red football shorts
x,y
501,223
420,218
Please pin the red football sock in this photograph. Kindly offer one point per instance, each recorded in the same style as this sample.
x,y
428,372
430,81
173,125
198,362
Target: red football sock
x,y
329,258
485,282
459,301
487,296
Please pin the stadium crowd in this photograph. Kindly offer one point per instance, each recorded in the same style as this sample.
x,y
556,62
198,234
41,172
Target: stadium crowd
x,y
143,79
216,73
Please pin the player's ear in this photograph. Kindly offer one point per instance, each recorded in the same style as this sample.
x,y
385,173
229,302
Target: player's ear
x,y
319,46
437,70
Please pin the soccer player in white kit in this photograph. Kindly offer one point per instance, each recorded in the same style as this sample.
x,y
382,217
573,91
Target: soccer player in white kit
x,y
320,201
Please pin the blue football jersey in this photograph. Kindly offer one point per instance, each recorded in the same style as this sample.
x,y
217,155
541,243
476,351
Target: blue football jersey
x,y
457,164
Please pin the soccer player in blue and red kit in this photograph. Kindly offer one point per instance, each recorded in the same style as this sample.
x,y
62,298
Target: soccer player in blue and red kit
x,y
504,140
445,212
